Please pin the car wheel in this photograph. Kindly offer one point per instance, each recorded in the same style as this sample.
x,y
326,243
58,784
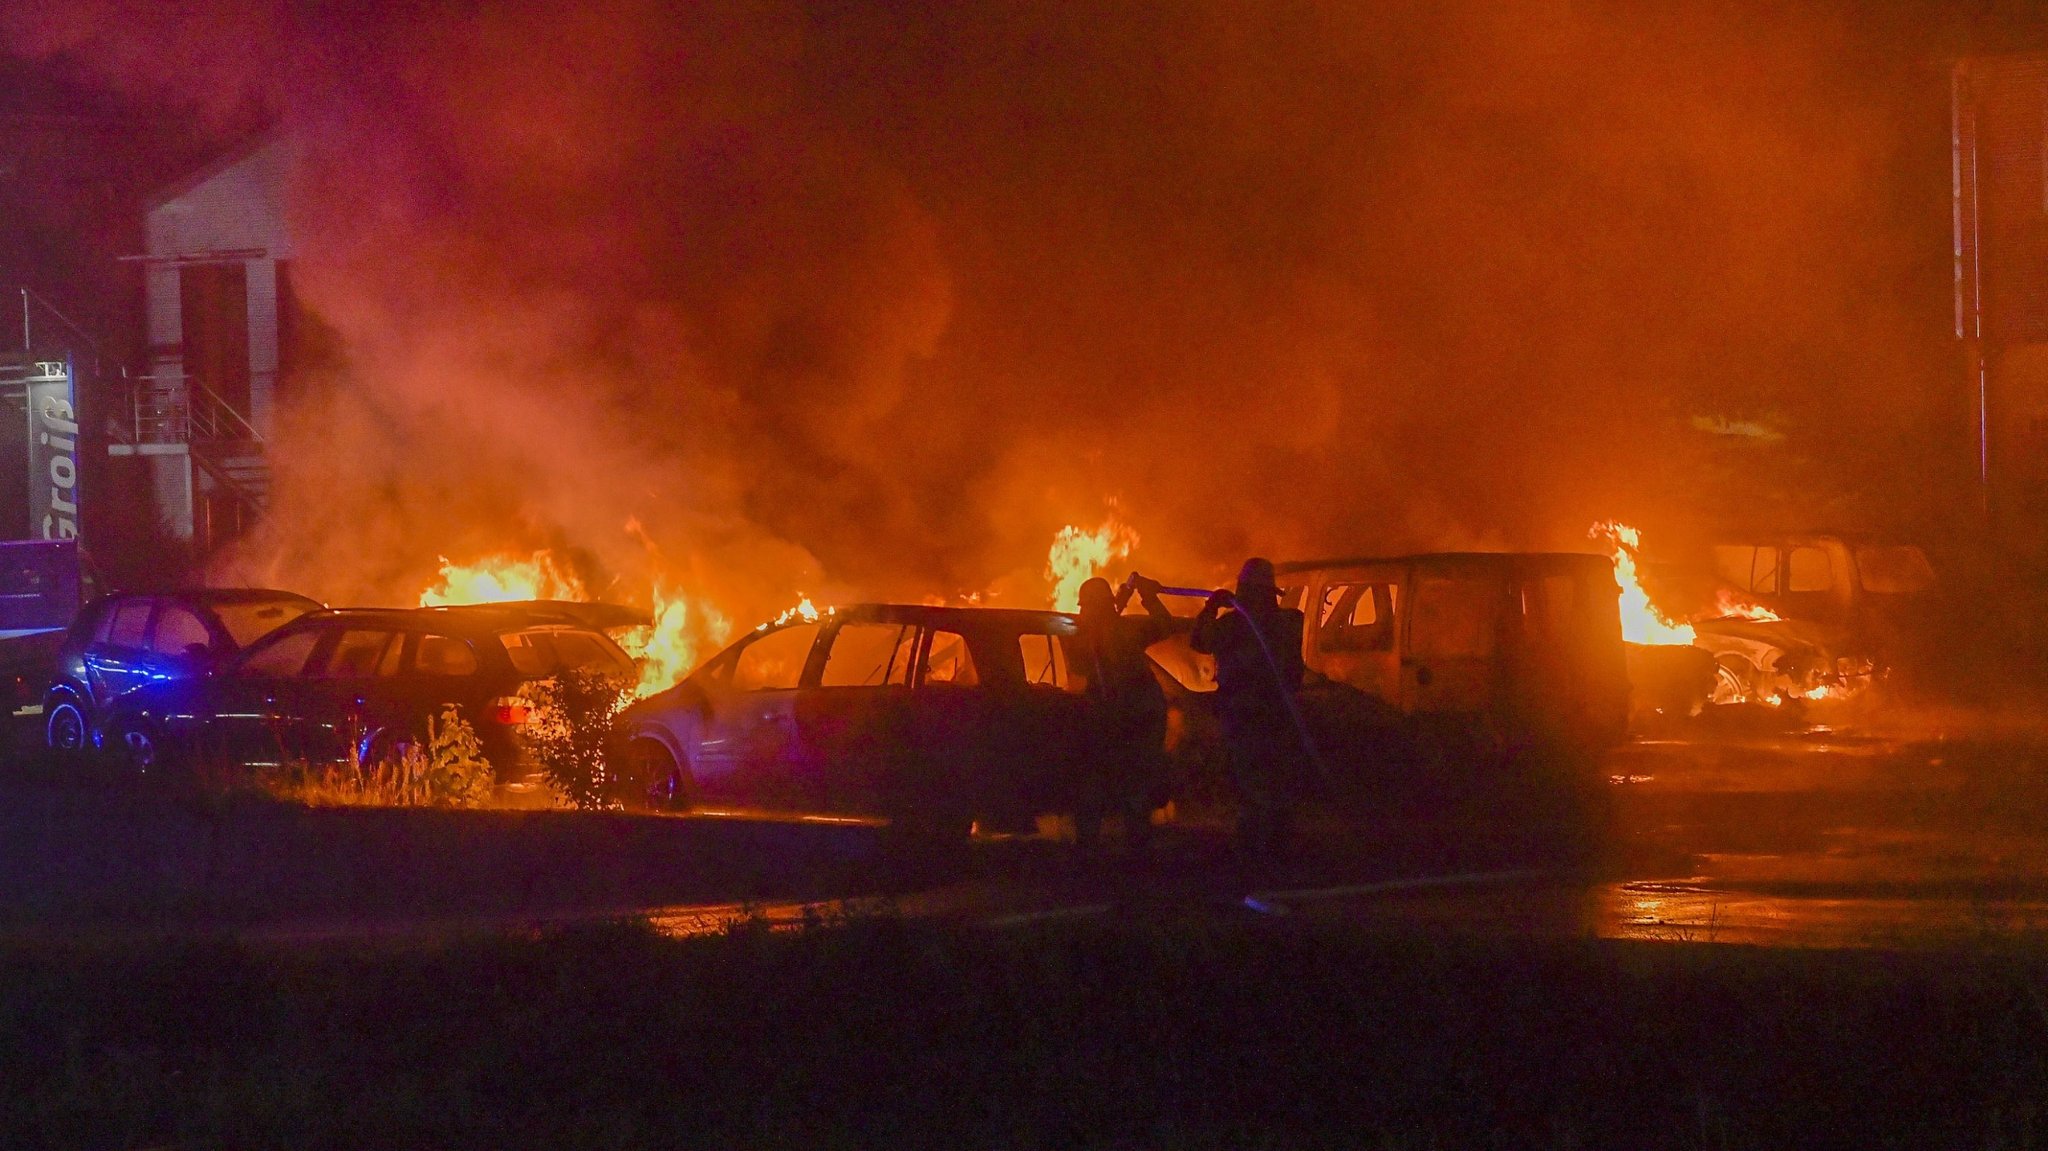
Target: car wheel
x,y
653,781
1735,680
64,725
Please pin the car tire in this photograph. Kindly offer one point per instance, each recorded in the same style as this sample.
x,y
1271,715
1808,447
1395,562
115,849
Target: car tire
x,y
65,728
653,780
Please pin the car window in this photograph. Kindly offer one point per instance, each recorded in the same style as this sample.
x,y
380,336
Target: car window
x,y
947,660
443,655
869,655
93,623
774,661
178,628
1550,605
284,657
248,622
1357,617
1894,569
547,650
1045,661
1453,618
576,650
1750,568
357,653
130,624
1806,569
391,662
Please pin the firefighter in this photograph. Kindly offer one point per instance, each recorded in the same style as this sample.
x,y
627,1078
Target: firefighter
x,y
1257,645
1127,763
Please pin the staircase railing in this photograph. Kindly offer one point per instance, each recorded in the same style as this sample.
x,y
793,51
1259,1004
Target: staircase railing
x,y
155,413
214,418
180,410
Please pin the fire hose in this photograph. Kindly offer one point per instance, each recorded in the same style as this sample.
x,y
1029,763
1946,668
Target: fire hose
x,y
1308,743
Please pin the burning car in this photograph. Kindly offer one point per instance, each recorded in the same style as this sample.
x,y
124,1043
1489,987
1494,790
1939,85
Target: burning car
x,y
1811,617
936,718
361,683
1486,651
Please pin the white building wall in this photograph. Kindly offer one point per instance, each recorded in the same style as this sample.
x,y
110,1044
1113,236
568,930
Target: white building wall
x,y
236,208
234,211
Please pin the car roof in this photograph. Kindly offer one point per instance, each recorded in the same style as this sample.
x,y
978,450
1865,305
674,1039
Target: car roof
x,y
940,613
215,595
1295,567
475,620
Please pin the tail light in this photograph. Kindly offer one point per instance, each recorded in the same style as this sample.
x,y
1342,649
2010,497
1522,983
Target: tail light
x,y
511,710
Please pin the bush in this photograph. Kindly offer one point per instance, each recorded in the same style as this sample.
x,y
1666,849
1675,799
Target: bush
x,y
571,727
448,769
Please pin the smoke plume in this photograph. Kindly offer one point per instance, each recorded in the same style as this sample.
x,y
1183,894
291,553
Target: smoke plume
x,y
879,296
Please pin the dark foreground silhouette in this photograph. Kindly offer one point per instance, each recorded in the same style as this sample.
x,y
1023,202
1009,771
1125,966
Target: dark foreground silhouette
x,y
1211,1032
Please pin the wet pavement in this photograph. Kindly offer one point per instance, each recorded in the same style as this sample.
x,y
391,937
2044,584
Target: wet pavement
x,y
1907,833
1919,834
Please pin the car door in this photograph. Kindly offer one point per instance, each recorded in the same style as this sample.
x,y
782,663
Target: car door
x,y
1039,731
747,726
970,714
1453,635
855,749
118,662
1351,631
342,695
249,705
180,644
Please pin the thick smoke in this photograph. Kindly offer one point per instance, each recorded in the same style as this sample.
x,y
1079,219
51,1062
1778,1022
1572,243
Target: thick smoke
x,y
878,296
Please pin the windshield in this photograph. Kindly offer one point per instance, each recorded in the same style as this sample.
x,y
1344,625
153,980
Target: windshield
x,y
544,651
251,620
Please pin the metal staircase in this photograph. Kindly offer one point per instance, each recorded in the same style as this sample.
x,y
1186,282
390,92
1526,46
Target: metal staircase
x,y
179,412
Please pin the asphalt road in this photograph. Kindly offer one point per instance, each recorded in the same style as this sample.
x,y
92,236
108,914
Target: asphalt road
x,y
1886,830
1745,828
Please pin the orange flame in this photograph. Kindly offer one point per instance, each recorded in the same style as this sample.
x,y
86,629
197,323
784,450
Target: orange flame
x,y
671,646
1077,556
1729,604
804,610
665,649
1641,622
503,579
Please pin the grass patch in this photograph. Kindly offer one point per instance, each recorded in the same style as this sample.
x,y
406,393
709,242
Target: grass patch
x,y
443,768
877,1032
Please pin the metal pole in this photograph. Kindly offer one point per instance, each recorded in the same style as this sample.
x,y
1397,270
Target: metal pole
x,y
25,350
28,409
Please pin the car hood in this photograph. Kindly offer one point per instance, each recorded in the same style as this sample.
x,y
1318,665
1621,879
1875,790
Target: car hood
x,y
1787,635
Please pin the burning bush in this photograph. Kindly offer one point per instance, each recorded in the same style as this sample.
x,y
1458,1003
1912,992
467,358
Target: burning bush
x,y
571,726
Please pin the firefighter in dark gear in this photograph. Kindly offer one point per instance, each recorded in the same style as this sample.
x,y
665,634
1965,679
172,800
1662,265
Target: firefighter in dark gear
x,y
1127,764
1257,645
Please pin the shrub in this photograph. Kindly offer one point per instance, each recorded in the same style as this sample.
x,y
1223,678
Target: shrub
x,y
447,769
571,727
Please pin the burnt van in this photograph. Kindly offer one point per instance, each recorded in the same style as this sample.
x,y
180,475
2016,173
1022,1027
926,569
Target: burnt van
x,y
1491,650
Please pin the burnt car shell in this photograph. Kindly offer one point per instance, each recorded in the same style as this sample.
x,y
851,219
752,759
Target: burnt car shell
x,y
933,717
364,680
1523,646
